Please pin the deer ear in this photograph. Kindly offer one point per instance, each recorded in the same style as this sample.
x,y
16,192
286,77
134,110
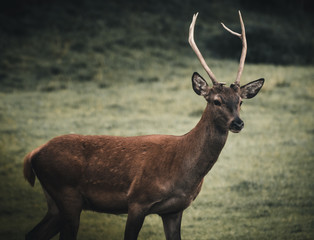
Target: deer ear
x,y
251,89
199,84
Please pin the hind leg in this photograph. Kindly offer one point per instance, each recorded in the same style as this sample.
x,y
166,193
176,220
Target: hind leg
x,y
46,229
70,206
49,226
70,220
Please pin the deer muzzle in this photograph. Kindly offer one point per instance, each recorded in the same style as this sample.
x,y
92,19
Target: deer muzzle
x,y
236,125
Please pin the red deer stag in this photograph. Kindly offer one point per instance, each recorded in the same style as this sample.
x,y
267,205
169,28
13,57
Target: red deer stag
x,y
155,174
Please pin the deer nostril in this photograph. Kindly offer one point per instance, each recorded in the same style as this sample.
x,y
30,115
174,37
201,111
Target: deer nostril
x,y
241,124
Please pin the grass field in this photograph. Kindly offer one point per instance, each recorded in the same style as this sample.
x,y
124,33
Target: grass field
x,y
262,186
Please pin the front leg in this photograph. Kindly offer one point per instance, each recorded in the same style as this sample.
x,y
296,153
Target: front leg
x,y
172,225
134,222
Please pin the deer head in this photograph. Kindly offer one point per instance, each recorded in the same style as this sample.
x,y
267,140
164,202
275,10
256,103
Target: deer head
x,y
224,102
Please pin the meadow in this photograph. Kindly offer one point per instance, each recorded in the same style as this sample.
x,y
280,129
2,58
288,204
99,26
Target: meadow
x,y
137,81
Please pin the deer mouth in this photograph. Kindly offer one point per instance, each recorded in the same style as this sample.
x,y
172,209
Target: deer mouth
x,y
235,130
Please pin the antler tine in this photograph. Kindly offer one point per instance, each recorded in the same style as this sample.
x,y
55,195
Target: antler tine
x,y
197,51
244,47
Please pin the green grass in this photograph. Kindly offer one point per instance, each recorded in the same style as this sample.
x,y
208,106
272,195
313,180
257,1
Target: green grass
x,y
97,73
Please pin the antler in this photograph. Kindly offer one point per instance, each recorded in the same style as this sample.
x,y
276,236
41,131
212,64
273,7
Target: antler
x,y
244,48
197,51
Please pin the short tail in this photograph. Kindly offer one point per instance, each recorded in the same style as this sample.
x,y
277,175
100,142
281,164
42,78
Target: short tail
x,y
28,171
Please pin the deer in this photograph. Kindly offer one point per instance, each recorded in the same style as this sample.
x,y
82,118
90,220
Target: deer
x,y
139,175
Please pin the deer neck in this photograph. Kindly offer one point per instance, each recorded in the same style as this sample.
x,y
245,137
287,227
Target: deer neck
x,y
204,144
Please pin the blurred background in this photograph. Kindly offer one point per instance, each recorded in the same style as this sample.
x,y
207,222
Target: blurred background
x,y
43,41
124,67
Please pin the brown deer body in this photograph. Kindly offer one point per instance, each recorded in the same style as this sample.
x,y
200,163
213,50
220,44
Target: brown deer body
x,y
154,174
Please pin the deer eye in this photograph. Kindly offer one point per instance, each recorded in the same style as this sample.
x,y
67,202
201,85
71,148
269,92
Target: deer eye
x,y
217,102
